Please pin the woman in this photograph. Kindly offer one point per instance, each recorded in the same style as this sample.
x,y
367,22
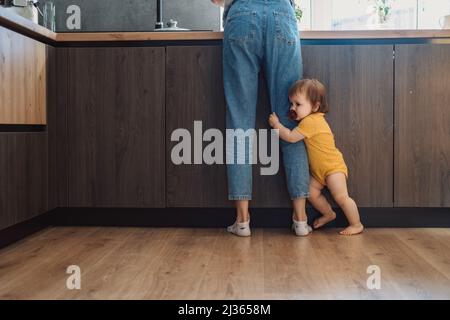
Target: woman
x,y
262,35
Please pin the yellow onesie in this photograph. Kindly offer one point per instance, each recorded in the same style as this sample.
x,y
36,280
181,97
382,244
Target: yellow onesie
x,y
324,158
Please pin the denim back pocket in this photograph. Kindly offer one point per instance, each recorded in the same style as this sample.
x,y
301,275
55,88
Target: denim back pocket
x,y
240,26
286,27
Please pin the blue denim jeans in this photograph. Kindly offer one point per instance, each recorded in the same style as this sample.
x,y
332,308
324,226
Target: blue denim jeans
x,y
262,35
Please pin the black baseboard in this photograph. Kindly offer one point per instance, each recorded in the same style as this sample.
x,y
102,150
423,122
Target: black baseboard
x,y
261,218
22,128
24,229
216,218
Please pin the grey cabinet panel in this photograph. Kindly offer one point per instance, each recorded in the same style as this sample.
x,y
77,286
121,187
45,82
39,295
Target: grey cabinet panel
x,y
115,115
23,172
422,125
57,64
359,80
195,92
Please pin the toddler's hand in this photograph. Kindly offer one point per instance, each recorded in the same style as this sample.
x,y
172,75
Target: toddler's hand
x,y
273,120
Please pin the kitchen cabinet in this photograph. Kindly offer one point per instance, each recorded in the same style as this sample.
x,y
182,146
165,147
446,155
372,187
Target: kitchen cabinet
x,y
195,92
361,117
23,172
115,127
359,80
57,63
23,79
422,125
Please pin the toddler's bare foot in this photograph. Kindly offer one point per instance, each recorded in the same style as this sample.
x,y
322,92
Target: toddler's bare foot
x,y
351,230
323,220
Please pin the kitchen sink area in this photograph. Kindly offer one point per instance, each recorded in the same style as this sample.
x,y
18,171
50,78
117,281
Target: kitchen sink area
x,y
118,16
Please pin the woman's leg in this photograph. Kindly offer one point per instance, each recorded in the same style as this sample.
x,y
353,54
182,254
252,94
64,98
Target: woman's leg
x,y
337,184
241,227
299,209
318,201
242,214
241,66
283,66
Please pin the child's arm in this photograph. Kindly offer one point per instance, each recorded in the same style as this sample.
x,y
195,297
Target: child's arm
x,y
291,136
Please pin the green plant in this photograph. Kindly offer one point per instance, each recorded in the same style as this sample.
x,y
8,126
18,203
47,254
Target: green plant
x,y
298,12
383,8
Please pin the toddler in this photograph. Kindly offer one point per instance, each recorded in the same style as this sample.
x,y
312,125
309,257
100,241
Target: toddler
x,y
326,163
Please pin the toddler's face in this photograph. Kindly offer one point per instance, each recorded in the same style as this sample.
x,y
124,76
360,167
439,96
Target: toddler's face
x,y
300,108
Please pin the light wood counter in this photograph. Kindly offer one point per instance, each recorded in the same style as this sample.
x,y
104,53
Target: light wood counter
x,y
202,35
375,34
20,24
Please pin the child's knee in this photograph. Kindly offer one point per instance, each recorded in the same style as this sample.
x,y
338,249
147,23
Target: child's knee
x,y
314,193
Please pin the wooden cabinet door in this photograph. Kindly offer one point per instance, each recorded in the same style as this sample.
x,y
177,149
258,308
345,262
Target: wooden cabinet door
x,y
422,125
359,80
23,172
116,100
195,92
57,70
22,79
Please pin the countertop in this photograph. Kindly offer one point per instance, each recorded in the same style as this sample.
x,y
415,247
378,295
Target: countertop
x,y
27,27
20,24
202,35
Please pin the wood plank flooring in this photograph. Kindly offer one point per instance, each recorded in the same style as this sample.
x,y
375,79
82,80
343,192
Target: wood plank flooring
x,y
169,263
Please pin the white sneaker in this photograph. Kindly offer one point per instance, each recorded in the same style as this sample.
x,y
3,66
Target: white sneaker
x,y
301,228
241,229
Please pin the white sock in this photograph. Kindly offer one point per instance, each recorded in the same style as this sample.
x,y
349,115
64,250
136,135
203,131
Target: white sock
x,y
241,229
301,228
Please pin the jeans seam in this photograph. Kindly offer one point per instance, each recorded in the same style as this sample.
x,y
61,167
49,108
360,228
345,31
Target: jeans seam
x,y
239,197
279,31
300,196
252,32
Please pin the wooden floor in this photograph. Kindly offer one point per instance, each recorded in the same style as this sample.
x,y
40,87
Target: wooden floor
x,y
135,263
